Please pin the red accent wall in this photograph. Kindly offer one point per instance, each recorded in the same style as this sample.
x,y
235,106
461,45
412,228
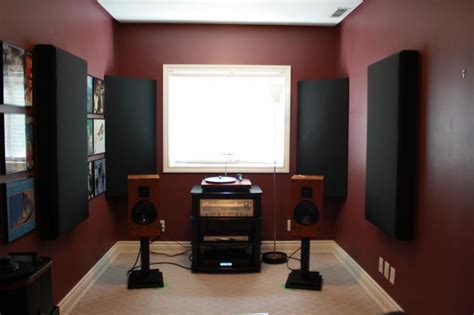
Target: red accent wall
x,y
434,272
82,28
143,49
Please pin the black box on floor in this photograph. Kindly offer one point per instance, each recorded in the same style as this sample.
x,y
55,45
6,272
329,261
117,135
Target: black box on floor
x,y
25,285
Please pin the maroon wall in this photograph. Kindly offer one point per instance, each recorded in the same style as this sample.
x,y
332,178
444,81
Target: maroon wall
x,y
143,49
84,29
434,271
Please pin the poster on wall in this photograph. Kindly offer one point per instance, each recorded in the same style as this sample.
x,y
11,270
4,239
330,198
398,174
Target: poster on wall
x,y
28,78
13,78
90,136
91,180
99,176
16,143
18,209
90,94
99,136
99,92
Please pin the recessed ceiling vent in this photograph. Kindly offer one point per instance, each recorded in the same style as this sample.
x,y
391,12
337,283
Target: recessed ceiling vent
x,y
339,12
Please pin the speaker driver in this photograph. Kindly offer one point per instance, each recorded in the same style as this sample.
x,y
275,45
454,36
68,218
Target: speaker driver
x,y
144,212
306,213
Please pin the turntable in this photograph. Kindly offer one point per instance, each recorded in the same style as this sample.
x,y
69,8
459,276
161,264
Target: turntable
x,y
226,183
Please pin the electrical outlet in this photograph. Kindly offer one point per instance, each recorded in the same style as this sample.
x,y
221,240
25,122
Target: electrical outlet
x,y
288,225
380,264
162,225
392,275
386,270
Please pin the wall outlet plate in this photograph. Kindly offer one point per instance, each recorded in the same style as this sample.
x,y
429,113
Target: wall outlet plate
x,y
380,264
386,270
392,275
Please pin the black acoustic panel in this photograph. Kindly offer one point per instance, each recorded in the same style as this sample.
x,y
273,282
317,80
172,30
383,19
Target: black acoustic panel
x,y
322,132
393,85
61,140
131,131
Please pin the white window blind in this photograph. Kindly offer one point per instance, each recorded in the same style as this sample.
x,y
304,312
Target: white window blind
x,y
226,117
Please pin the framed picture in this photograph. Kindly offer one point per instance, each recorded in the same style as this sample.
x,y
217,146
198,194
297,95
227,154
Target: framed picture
x,y
99,136
12,82
16,143
91,180
18,213
90,94
90,136
99,176
28,78
99,93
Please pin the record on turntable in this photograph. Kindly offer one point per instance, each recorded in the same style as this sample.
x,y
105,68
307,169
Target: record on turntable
x,y
220,180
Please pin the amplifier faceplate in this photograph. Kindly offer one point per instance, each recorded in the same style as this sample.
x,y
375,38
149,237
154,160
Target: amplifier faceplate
x,y
226,207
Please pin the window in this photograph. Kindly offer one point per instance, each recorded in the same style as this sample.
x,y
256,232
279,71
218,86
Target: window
x,y
219,118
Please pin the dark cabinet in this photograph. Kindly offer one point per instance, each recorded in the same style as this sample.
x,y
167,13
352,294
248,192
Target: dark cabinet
x,y
225,236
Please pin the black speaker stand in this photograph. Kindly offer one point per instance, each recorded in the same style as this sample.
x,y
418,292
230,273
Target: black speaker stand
x,y
303,278
145,277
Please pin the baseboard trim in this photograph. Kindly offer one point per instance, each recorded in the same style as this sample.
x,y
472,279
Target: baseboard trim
x,y
67,304
383,299
386,303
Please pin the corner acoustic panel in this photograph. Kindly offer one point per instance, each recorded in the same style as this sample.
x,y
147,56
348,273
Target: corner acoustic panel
x,y
322,132
131,131
390,196
61,140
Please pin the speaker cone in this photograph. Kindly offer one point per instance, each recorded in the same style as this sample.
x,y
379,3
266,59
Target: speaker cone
x,y
306,213
144,212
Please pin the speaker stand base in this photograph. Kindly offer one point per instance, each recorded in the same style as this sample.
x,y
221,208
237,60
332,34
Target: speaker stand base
x,y
139,279
310,280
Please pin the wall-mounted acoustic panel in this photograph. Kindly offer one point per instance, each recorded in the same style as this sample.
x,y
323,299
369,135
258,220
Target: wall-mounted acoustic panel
x,y
131,131
322,132
392,101
61,140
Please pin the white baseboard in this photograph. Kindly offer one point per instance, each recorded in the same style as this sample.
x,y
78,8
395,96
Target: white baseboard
x,y
381,297
77,292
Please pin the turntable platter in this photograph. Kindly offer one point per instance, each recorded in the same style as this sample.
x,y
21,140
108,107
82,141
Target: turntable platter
x,y
220,180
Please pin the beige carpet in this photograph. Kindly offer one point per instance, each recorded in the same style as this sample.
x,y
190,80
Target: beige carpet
x,y
190,293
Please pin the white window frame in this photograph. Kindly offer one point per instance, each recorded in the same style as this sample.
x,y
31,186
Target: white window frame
x,y
169,69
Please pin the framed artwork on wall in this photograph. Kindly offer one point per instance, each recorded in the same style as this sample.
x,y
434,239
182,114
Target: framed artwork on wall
x,y
90,136
99,93
28,78
16,143
99,136
13,82
18,209
99,176
90,94
91,180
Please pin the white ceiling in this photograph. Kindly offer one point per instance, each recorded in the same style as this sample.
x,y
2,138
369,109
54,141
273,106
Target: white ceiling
x,y
271,12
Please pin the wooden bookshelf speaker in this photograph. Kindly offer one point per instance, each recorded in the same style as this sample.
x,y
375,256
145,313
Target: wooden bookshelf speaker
x,y
143,205
307,205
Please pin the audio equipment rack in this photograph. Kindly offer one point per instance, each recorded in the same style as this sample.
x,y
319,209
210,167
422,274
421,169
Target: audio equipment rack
x,y
226,228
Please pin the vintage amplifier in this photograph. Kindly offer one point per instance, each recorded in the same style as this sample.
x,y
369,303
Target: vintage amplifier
x,y
234,203
226,208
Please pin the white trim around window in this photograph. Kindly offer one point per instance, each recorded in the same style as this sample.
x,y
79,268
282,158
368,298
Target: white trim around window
x,y
226,118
